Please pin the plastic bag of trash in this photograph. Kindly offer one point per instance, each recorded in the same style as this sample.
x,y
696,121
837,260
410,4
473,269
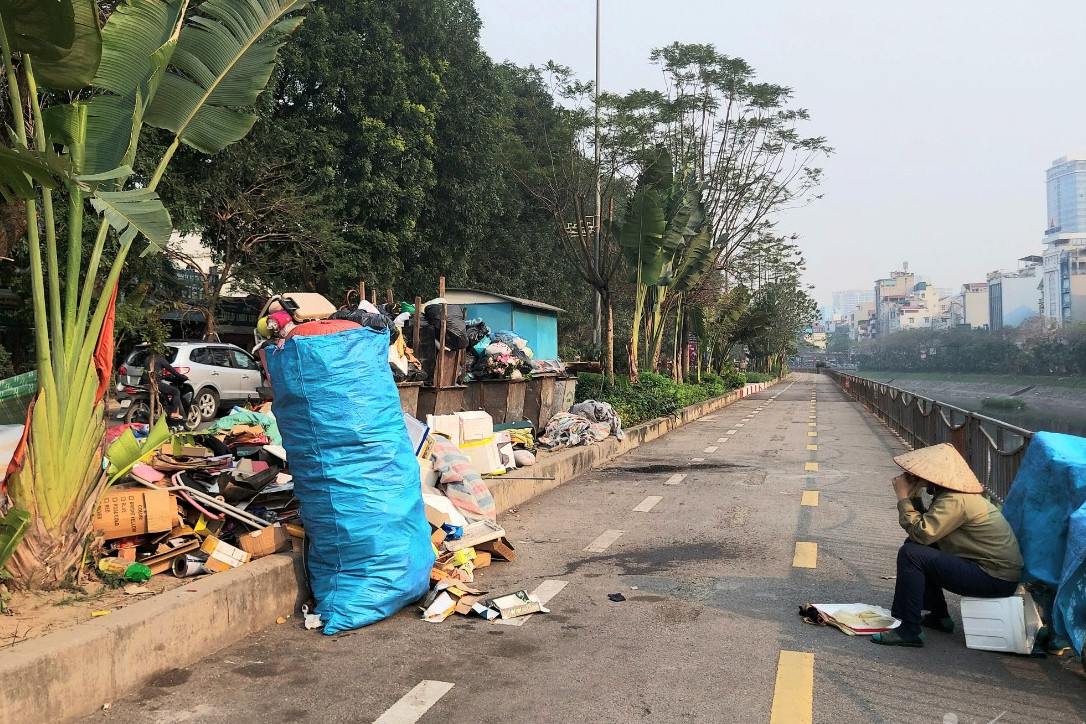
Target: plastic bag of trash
x,y
355,476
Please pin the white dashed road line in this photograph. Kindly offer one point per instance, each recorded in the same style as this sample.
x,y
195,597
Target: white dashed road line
x,y
410,708
648,503
604,541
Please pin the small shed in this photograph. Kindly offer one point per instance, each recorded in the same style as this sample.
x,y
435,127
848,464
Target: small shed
x,y
535,321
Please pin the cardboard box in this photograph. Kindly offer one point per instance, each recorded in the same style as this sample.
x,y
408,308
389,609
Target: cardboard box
x,y
501,549
222,556
437,537
475,425
476,534
484,456
124,512
482,559
447,425
264,542
514,604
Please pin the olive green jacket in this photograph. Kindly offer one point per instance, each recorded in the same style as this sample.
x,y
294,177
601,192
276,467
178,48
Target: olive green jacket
x,y
967,526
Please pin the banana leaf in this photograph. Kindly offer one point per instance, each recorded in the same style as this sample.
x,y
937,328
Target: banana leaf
x,y
13,526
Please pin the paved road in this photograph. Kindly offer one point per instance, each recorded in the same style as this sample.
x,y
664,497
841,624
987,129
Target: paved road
x,y
711,594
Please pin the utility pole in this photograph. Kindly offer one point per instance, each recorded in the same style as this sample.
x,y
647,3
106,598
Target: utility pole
x,y
597,336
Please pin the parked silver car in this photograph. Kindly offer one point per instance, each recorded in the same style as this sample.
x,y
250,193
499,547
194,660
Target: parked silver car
x,y
221,374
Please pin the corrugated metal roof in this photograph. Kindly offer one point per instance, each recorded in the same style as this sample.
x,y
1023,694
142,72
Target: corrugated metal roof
x,y
451,297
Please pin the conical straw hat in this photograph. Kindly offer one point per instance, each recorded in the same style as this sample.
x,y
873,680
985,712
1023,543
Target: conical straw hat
x,y
942,465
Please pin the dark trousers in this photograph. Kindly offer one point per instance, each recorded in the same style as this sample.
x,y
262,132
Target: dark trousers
x,y
165,388
922,574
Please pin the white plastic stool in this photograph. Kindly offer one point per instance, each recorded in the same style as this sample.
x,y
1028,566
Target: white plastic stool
x,y
1001,624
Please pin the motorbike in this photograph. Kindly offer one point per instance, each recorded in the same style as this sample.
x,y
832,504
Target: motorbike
x,y
136,406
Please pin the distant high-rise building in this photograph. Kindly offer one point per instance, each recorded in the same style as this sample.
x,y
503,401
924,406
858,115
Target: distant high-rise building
x,y
846,301
1066,196
1063,286
1014,297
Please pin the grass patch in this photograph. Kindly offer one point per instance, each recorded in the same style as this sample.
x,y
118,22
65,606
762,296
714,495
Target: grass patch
x,y
70,600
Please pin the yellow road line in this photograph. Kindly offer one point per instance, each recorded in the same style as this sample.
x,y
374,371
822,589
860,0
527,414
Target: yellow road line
x,y
812,424
810,467
793,694
812,447
812,433
806,555
810,498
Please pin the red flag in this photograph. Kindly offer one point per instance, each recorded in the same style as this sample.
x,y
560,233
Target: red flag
x,y
103,353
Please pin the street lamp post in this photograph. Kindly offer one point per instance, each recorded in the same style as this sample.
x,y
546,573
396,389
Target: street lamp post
x,y
597,337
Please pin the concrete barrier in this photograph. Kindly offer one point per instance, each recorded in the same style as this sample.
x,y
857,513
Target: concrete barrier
x,y
72,672
553,469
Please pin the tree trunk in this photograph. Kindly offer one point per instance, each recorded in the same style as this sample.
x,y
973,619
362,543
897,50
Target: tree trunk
x,y
635,330
48,557
609,342
684,348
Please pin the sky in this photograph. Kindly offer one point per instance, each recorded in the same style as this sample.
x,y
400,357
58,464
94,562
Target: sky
x,y
943,114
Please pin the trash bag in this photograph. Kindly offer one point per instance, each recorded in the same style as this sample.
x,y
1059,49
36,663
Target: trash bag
x,y
355,476
456,333
477,331
373,320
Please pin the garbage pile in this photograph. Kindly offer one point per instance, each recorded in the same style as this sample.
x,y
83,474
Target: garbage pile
x,y
196,503
585,423
452,452
400,320
501,355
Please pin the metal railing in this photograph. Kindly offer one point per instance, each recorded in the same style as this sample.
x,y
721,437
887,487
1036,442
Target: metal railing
x,y
993,449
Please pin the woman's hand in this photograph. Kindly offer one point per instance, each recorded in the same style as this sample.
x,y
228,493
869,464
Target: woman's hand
x,y
903,486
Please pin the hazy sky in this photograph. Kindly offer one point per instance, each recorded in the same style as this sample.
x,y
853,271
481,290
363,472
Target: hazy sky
x,y
944,115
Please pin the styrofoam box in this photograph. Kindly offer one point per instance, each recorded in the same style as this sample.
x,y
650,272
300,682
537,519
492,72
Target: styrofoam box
x,y
1001,624
475,425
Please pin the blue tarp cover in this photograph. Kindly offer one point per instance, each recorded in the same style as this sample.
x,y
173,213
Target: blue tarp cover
x,y
1046,508
355,475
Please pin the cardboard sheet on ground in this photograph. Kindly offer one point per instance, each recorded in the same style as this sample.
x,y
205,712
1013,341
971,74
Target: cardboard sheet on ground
x,y
861,619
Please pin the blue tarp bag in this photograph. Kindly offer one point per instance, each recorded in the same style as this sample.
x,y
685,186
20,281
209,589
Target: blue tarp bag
x,y
1046,508
355,475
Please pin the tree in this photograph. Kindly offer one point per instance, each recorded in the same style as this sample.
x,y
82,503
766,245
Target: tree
x,y
254,212
552,163
107,83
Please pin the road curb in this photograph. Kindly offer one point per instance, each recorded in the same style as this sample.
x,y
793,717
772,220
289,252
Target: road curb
x,y
554,469
73,672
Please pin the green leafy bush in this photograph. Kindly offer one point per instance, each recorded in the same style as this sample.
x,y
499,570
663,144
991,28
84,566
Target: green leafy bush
x,y
654,395
758,377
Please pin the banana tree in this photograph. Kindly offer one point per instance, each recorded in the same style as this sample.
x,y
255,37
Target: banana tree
x,y
689,239
79,95
641,238
694,260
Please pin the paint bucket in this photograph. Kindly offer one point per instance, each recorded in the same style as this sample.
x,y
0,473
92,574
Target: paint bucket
x,y
187,566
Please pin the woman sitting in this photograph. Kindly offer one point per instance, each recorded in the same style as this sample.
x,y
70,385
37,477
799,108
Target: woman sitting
x,y
960,543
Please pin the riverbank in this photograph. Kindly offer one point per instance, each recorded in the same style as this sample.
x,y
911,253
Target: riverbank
x,y
1051,403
